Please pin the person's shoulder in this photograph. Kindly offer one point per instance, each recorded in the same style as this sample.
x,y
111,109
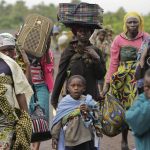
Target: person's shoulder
x,y
95,48
90,98
65,98
8,59
68,51
118,37
146,35
141,98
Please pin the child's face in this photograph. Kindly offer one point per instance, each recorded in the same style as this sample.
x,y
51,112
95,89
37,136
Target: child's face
x,y
76,88
147,87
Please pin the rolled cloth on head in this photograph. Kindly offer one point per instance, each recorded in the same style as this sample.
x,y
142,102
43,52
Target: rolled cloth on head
x,y
134,15
6,39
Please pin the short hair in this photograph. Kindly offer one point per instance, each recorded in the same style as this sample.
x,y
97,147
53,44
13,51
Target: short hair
x,y
76,76
147,73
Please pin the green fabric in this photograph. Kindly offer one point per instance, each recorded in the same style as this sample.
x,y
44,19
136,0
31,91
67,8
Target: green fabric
x,y
71,115
6,132
4,104
128,53
23,126
23,131
123,85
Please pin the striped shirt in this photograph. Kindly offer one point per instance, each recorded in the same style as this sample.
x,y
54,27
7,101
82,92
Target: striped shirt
x,y
37,74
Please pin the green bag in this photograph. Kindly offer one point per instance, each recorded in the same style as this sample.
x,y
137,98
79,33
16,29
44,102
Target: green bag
x,y
113,116
34,36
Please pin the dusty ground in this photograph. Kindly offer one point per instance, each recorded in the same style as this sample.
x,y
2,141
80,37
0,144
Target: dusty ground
x,y
106,142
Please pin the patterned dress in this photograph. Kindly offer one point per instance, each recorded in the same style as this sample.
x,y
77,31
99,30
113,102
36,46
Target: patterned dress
x,y
15,129
122,68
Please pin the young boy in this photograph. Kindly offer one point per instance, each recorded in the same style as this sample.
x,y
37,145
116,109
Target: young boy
x,y
78,117
138,116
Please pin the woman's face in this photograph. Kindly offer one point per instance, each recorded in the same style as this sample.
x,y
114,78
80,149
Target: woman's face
x,y
132,25
10,53
83,34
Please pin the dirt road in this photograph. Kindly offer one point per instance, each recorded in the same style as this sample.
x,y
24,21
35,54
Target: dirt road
x,y
106,143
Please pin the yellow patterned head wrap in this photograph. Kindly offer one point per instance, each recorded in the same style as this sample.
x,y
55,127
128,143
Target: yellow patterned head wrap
x,y
137,16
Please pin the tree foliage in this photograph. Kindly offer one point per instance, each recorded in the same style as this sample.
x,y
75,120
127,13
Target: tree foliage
x,y
12,16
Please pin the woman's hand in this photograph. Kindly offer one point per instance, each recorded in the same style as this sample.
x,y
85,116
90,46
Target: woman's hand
x,y
92,53
54,143
106,89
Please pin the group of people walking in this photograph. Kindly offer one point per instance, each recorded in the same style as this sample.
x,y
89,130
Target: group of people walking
x,y
82,68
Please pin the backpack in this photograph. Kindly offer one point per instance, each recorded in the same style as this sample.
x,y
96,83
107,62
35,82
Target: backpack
x,y
34,36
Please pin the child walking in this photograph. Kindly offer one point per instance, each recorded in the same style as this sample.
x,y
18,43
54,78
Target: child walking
x,y
77,119
138,116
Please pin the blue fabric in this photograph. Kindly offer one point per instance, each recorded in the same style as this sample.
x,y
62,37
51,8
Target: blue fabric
x,y
140,83
61,142
43,99
138,118
66,106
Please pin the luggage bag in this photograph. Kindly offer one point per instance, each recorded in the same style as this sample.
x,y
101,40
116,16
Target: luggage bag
x,y
34,36
83,13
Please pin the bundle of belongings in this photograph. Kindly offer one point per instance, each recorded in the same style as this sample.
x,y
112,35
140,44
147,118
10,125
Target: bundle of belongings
x,y
82,13
113,116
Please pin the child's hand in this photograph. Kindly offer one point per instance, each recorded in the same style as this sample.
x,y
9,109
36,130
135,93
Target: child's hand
x,y
84,108
54,143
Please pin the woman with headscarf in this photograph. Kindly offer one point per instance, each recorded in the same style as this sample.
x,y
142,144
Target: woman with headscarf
x,y
15,92
120,76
